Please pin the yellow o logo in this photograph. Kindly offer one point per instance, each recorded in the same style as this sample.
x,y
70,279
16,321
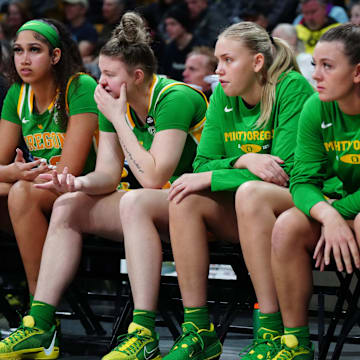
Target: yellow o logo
x,y
351,159
251,148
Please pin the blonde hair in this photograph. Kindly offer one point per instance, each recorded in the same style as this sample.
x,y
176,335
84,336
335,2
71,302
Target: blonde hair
x,y
130,42
278,59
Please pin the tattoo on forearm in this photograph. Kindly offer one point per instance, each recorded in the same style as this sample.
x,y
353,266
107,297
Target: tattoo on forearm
x,y
130,158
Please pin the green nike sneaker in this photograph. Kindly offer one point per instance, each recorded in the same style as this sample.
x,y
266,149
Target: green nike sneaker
x,y
58,332
29,342
138,344
291,350
196,344
264,347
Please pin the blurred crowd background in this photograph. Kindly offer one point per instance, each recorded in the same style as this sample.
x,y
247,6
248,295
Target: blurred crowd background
x,y
183,31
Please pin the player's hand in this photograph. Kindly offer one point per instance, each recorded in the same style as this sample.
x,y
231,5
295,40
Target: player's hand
x,y
265,166
340,241
21,170
112,108
188,184
319,252
61,183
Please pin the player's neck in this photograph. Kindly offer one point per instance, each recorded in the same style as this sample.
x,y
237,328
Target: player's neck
x,y
44,95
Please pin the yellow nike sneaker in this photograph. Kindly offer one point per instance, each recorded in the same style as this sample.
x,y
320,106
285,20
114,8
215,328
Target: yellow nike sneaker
x,y
138,344
29,342
292,350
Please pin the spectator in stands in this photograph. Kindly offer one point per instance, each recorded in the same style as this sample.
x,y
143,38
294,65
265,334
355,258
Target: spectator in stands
x,y
17,14
83,32
3,31
51,105
320,226
4,68
240,183
266,13
336,12
45,9
200,64
275,11
206,24
152,24
137,122
315,22
256,12
157,10
355,13
287,32
281,11
112,10
182,41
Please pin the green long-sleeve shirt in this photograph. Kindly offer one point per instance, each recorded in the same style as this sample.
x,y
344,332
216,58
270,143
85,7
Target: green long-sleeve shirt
x,y
229,132
328,144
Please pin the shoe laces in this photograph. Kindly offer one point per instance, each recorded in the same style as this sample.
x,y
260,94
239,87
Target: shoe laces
x,y
188,338
130,343
286,353
20,333
259,344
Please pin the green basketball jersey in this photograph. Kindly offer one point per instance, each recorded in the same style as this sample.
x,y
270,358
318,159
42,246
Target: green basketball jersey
x,y
172,105
230,132
42,133
328,145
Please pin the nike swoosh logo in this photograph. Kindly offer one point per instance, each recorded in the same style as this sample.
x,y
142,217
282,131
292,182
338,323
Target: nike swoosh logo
x,y
324,126
50,349
24,121
149,354
140,313
191,311
226,109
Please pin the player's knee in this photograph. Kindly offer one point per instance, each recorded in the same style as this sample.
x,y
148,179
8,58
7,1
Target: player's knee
x,y
189,206
20,197
134,203
285,234
248,198
69,206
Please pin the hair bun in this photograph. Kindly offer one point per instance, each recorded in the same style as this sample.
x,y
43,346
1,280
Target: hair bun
x,y
131,30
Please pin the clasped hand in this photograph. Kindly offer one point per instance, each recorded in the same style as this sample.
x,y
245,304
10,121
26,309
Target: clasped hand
x,y
61,183
21,170
265,166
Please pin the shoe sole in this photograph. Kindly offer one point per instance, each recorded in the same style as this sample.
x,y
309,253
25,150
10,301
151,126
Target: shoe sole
x,y
157,357
37,354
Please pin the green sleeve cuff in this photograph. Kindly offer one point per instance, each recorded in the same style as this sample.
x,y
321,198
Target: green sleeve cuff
x,y
348,207
202,165
305,196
